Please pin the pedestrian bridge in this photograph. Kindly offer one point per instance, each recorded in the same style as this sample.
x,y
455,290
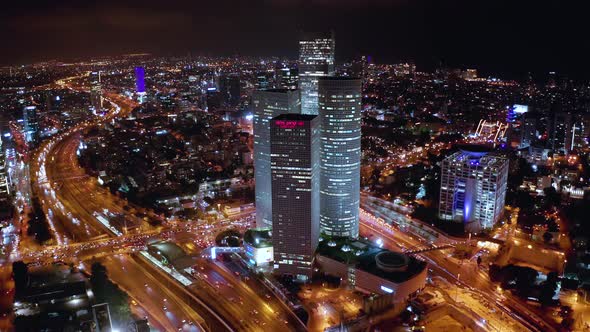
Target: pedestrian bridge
x,y
411,251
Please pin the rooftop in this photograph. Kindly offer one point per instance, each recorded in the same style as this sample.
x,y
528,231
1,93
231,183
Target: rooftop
x,y
258,237
173,253
295,116
362,254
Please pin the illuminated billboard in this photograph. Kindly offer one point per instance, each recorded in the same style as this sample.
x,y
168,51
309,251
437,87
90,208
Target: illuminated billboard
x,y
520,109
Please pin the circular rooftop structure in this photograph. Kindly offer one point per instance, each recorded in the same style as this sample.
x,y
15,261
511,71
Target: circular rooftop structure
x,y
475,150
388,261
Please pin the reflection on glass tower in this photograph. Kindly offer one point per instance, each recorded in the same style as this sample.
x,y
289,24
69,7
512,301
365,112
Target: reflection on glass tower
x,y
267,105
340,154
295,192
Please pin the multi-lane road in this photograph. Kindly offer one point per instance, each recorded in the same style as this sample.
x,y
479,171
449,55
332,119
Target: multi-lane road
x,y
75,203
463,273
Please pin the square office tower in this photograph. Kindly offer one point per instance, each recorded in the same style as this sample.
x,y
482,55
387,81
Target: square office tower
x,y
473,188
295,182
267,105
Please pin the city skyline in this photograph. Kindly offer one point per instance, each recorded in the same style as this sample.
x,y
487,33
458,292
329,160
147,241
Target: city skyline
x,y
419,31
333,174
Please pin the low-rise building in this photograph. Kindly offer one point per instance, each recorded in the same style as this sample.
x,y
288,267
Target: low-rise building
x,y
371,269
258,246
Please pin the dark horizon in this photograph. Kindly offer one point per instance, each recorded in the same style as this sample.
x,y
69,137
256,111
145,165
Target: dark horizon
x,y
500,38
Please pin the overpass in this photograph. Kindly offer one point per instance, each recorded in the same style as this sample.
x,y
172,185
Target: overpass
x,y
431,248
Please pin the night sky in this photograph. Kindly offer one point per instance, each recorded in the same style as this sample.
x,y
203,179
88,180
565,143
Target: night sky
x,y
507,38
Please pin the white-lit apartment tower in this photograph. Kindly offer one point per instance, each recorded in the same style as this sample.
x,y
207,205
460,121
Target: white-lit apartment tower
x,y
295,177
267,105
473,188
316,59
340,155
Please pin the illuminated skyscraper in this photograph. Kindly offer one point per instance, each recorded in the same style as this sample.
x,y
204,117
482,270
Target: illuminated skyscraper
x,y
560,130
262,81
139,79
267,105
229,87
4,187
286,78
96,92
140,83
473,188
31,124
295,192
340,113
316,59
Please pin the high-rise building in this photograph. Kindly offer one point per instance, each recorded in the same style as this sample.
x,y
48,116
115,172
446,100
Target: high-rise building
x,y
358,67
529,129
316,59
473,188
267,105
213,99
229,86
295,192
262,81
580,132
4,186
340,155
560,130
96,99
286,78
140,83
140,79
31,124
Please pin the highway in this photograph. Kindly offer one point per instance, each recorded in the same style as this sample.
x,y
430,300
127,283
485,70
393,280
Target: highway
x,y
78,209
71,199
466,274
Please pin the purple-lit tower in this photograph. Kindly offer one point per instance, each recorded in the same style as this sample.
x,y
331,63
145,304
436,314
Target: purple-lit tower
x,y
140,80
140,84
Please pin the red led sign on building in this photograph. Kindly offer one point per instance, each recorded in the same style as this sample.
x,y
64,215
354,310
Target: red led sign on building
x,y
289,124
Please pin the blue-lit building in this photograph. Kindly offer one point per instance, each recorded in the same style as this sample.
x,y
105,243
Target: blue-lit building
x,y
473,188
316,59
340,155
140,79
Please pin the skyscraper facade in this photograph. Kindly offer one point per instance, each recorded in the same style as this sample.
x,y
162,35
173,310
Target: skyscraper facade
x,y
560,129
295,192
267,105
340,155
286,78
96,92
31,124
316,59
4,186
229,86
473,188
